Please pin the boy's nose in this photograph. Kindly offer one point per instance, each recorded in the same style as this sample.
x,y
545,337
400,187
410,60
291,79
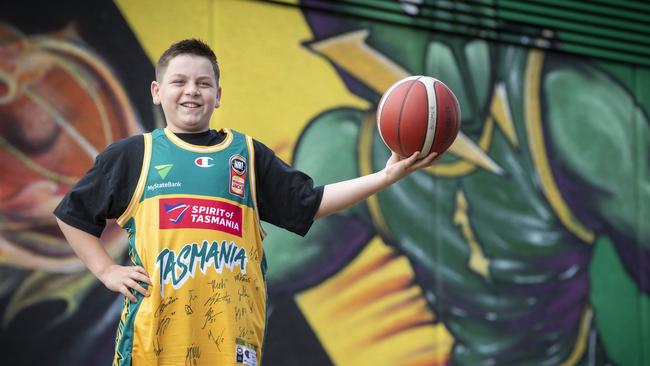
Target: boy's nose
x,y
192,89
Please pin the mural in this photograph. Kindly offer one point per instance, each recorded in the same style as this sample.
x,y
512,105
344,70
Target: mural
x,y
500,234
525,244
62,100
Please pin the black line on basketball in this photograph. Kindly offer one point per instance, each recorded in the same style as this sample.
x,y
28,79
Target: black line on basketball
x,y
399,119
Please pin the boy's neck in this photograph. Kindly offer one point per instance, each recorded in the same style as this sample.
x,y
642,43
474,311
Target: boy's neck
x,y
176,132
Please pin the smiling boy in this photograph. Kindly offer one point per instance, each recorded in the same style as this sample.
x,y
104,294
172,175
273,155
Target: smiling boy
x,y
191,199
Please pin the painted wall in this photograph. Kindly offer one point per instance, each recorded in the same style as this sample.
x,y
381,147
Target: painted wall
x,y
527,243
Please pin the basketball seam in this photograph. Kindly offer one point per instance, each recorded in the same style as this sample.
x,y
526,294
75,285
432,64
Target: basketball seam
x,y
399,119
430,135
382,102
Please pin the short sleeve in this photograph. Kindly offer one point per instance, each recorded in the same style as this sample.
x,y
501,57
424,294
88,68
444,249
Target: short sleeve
x,y
286,197
105,190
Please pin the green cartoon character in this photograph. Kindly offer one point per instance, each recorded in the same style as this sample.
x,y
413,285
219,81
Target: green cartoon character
x,y
500,233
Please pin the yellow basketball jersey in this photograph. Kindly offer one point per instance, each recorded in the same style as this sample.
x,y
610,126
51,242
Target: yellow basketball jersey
x,y
193,225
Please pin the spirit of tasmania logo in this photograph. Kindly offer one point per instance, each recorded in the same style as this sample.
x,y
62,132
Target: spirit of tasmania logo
x,y
193,213
179,267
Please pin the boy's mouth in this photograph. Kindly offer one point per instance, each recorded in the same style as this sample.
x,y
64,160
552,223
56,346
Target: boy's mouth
x,y
190,105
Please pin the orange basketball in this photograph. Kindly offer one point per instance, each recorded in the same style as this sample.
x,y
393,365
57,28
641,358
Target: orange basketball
x,y
418,113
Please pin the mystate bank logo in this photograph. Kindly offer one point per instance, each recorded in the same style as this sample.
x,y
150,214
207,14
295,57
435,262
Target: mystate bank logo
x,y
193,213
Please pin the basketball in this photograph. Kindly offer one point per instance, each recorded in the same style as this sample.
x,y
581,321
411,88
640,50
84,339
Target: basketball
x,y
418,113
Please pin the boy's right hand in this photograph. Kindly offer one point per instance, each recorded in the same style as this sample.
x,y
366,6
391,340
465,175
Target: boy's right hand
x,y
124,278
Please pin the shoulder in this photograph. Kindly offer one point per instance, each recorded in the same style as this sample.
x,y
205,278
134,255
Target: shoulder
x,y
582,82
261,149
590,118
127,149
581,100
126,145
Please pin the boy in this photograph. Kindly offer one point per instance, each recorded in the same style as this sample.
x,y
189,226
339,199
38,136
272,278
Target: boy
x,y
191,200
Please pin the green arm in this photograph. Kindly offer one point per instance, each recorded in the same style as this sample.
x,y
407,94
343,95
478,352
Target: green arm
x,y
598,136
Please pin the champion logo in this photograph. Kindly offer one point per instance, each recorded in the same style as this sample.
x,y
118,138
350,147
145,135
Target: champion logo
x,y
203,162
176,211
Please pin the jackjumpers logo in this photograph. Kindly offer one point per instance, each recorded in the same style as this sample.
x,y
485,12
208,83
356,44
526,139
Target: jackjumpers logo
x,y
178,267
193,213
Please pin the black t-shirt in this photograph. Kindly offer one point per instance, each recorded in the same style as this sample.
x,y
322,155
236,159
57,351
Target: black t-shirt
x,y
286,197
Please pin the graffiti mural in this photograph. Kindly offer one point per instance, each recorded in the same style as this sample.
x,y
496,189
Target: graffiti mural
x,y
526,244
497,237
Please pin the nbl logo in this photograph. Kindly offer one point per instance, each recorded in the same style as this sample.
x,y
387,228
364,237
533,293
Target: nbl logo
x,y
238,164
176,212
238,173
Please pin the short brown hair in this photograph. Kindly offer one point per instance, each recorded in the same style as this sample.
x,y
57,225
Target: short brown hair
x,y
191,46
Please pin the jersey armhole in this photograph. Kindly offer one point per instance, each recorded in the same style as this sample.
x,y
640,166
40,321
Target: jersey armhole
x,y
253,180
139,188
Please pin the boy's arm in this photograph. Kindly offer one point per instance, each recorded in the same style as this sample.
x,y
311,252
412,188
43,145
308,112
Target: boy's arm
x,y
115,277
341,195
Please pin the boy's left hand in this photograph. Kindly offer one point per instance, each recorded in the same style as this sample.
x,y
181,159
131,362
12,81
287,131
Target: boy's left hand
x,y
398,167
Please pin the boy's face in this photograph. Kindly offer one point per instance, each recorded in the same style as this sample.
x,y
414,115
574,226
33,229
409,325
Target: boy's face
x,y
188,93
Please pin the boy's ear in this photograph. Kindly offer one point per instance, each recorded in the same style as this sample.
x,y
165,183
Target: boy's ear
x,y
155,92
218,98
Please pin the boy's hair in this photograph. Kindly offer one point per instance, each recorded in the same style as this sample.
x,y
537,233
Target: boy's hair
x,y
192,46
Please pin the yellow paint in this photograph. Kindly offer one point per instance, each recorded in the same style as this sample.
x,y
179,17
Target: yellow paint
x,y
477,260
537,146
473,155
371,313
502,114
272,85
583,334
365,63
158,23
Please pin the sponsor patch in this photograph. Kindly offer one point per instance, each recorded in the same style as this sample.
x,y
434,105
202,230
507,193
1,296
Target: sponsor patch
x,y
238,173
193,213
245,353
